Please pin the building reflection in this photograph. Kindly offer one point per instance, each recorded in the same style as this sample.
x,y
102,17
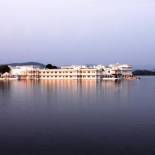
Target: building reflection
x,y
85,91
65,91
4,92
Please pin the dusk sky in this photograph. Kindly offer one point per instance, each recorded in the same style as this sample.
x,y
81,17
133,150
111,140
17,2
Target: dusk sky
x,y
78,31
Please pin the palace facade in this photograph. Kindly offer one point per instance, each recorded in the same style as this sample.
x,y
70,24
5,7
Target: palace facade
x,y
111,72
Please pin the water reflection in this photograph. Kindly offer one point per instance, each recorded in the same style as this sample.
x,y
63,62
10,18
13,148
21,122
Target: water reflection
x,y
44,94
61,91
88,117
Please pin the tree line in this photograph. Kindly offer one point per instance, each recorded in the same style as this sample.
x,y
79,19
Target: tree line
x,y
50,66
4,69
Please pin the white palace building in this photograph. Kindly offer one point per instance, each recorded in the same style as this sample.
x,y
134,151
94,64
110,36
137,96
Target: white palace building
x,y
98,72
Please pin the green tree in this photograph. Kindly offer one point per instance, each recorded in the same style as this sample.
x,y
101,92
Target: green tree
x,y
50,66
4,69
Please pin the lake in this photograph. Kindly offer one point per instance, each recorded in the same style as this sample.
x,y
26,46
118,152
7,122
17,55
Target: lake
x,y
77,117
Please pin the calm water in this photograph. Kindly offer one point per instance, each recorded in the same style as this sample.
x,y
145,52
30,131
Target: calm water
x,y
77,117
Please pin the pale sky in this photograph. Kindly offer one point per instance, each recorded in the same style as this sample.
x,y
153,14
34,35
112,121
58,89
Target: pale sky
x,y
78,31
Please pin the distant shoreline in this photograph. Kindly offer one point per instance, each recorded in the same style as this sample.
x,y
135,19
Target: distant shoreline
x,y
144,73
